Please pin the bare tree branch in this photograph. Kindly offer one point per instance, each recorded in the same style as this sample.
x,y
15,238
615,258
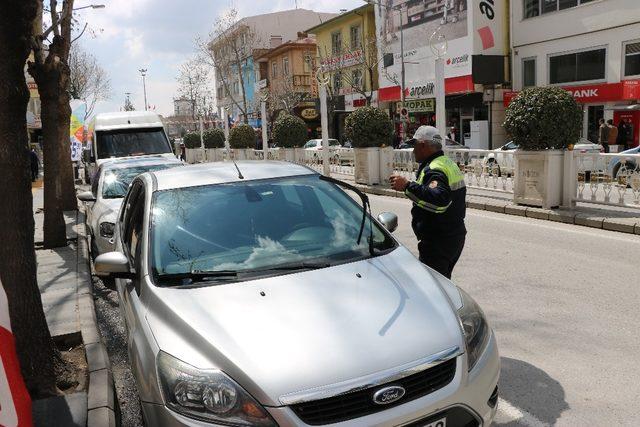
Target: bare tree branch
x,y
81,32
88,81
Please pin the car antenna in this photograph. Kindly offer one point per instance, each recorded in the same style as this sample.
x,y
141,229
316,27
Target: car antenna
x,y
238,169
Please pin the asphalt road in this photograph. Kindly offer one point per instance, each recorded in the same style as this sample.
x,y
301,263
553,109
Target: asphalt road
x,y
563,301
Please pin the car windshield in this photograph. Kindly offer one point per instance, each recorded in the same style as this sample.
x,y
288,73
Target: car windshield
x,y
116,181
131,142
256,226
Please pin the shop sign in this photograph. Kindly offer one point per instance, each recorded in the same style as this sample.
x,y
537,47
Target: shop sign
x,y
309,113
262,84
347,59
631,89
585,94
420,105
421,91
458,61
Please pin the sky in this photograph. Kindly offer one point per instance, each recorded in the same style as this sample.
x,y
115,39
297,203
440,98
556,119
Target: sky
x,y
160,35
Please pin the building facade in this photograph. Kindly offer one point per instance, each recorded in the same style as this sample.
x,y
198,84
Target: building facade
x,y
182,107
235,86
285,73
588,47
347,54
475,68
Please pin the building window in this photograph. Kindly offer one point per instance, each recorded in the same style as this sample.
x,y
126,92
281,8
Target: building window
x,y
577,67
336,43
528,72
632,59
356,37
337,82
308,61
285,66
356,79
533,8
274,69
236,88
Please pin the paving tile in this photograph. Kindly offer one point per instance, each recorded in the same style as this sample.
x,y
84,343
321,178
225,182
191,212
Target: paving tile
x,y
515,210
538,213
101,391
495,206
624,225
562,215
101,417
97,357
589,220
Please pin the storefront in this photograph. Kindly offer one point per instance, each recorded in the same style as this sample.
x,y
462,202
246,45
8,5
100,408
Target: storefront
x,y
617,101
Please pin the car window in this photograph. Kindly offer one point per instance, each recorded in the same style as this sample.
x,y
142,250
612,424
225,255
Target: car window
x,y
510,146
117,181
94,183
310,144
252,225
333,142
131,142
134,226
127,209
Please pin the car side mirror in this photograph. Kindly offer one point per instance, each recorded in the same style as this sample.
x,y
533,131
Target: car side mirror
x,y
113,264
86,196
389,220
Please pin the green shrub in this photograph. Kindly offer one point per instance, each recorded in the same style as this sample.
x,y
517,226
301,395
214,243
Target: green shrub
x,y
543,118
368,127
289,131
191,140
213,138
242,136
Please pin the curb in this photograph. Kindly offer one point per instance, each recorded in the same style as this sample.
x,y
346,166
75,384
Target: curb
x,y
101,397
567,216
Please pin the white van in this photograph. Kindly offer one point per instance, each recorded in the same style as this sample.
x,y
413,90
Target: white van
x,y
124,134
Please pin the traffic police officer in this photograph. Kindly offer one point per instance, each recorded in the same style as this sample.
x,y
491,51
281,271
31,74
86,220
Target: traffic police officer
x,y
438,196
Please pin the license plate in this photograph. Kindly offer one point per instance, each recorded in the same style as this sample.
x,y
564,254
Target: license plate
x,y
438,423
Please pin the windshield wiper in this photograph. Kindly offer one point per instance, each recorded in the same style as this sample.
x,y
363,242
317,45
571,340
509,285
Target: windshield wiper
x,y
198,275
302,265
365,206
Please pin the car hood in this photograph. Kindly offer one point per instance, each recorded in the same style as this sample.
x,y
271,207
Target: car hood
x,y
109,209
309,329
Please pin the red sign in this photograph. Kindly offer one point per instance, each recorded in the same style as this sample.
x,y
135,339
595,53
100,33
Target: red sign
x,y
452,85
584,94
631,89
15,403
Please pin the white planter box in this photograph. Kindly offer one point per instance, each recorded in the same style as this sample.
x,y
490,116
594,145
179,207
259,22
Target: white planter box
x,y
287,154
238,154
191,154
210,154
538,178
386,163
298,155
367,168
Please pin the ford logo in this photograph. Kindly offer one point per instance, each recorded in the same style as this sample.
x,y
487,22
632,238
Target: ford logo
x,y
388,395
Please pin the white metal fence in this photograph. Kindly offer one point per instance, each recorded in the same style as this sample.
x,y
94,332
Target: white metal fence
x,y
598,178
606,179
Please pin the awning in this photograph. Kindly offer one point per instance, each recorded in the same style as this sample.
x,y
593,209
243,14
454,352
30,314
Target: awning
x,y
452,86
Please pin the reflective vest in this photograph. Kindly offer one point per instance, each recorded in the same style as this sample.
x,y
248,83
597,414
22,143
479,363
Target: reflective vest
x,y
455,179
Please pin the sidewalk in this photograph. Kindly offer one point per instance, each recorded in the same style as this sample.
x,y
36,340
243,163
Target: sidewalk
x,y
621,219
64,279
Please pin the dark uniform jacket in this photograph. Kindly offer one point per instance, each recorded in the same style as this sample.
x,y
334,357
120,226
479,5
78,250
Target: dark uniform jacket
x,y
438,196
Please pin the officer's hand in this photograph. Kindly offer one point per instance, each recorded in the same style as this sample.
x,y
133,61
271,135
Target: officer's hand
x,y
398,183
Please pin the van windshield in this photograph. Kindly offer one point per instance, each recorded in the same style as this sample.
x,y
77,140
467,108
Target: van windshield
x,y
131,142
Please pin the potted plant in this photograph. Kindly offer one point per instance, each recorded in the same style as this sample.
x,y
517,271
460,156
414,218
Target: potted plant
x,y
368,129
213,143
192,144
289,132
543,121
241,137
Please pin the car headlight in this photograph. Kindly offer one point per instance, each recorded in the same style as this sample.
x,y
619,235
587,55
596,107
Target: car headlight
x,y
106,229
208,395
476,329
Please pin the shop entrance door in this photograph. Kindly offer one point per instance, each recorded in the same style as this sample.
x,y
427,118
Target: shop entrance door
x,y
594,114
465,127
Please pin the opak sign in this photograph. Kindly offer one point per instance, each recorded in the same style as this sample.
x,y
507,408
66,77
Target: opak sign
x,y
589,94
420,105
15,403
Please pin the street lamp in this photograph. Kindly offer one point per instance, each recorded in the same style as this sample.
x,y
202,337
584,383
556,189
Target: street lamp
x,y
143,72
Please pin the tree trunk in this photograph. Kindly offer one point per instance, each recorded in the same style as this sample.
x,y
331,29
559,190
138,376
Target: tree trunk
x,y
36,350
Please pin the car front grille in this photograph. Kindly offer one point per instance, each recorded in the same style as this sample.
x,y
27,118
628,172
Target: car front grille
x,y
360,403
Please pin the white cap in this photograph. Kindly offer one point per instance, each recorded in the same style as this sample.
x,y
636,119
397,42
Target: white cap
x,y
427,133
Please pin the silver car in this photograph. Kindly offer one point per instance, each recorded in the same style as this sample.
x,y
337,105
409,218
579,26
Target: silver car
x,y
264,295
109,187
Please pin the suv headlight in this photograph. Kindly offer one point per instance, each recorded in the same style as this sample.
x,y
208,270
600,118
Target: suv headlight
x,y
476,329
208,395
106,229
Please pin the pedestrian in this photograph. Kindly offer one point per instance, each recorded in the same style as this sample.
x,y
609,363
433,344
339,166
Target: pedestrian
x,y
438,196
613,134
603,135
452,134
622,135
183,152
35,164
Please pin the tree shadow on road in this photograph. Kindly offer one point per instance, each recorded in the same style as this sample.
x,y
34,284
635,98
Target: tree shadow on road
x,y
530,389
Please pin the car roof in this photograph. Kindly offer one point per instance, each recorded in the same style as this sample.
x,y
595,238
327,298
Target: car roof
x,y
225,172
131,162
